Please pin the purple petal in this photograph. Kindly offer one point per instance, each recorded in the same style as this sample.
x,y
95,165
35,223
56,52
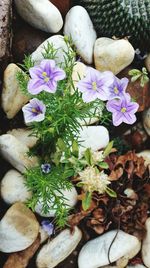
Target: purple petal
x,y
132,107
89,96
30,115
48,227
103,93
51,86
129,118
83,85
47,66
108,78
35,86
58,74
37,104
117,118
113,105
35,72
124,83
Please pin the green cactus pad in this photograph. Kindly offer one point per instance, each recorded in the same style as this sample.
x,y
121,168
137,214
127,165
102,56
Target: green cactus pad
x,y
121,18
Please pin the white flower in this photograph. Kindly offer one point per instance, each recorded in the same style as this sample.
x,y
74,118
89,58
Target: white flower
x,y
94,180
98,156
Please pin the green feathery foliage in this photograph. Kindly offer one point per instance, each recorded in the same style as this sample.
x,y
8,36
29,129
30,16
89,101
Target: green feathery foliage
x,y
57,135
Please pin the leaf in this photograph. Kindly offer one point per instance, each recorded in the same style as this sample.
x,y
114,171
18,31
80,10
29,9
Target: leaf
x,y
111,192
144,80
80,184
135,77
61,145
88,156
86,202
134,72
144,71
75,148
103,165
108,148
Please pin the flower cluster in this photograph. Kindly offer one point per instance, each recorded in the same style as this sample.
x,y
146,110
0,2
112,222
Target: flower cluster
x,y
107,87
43,78
94,180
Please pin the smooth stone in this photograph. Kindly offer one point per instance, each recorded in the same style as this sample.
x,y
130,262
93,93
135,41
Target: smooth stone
x,y
43,235
16,153
41,14
24,135
93,137
13,188
58,43
146,121
146,245
78,73
58,249
18,228
146,155
79,26
112,55
12,97
71,200
94,253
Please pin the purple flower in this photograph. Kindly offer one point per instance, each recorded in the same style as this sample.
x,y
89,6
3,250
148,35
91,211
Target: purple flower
x,y
34,111
123,110
118,87
48,227
45,77
46,168
95,85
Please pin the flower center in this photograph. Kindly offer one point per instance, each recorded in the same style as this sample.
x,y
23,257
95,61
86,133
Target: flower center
x,y
36,111
46,78
123,110
116,90
94,86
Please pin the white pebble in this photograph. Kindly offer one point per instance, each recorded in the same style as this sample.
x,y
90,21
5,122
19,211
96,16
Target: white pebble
x,y
13,188
94,253
112,55
16,153
79,26
41,14
58,249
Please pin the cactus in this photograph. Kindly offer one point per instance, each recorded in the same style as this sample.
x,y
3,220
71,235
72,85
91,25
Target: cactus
x,y
121,18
